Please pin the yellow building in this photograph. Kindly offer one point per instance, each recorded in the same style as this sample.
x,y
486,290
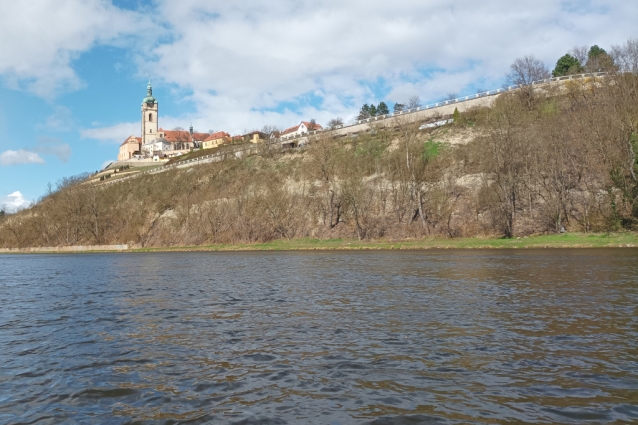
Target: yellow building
x,y
130,147
255,137
216,139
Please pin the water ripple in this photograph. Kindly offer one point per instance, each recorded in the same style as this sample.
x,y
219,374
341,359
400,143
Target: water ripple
x,y
438,337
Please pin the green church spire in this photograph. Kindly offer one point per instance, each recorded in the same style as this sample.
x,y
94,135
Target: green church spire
x,y
149,94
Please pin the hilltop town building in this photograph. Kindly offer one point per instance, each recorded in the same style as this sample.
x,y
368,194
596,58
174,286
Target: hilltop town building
x,y
173,142
255,137
300,130
156,142
160,142
216,139
150,109
130,147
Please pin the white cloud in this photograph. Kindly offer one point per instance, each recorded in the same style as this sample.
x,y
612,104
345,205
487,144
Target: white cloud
x,y
53,146
241,61
113,134
14,202
60,120
243,58
39,39
11,157
45,146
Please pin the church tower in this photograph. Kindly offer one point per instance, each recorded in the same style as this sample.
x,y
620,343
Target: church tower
x,y
149,116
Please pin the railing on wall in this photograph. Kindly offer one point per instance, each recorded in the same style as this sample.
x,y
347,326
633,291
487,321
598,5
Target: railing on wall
x,y
472,97
449,102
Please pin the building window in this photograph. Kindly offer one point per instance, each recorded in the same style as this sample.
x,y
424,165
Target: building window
x,y
150,130
150,117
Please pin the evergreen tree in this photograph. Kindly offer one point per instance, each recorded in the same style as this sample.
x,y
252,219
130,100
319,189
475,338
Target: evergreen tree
x,y
595,51
382,109
567,65
364,113
373,111
598,60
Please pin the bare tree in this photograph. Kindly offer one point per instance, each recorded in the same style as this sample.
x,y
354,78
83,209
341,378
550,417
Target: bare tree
x,y
524,71
451,96
580,53
270,129
323,168
626,56
413,102
335,122
503,155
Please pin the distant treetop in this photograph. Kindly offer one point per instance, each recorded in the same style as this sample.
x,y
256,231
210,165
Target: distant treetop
x,y
567,65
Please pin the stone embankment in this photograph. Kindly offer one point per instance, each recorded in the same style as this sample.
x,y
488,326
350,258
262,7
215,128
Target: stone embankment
x,y
65,249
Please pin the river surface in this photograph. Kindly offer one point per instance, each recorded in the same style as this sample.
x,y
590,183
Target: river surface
x,y
432,337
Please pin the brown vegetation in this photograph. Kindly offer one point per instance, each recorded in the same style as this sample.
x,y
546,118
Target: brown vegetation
x,y
540,161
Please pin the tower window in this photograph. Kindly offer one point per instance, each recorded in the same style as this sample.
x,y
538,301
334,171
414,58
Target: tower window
x,y
150,117
150,130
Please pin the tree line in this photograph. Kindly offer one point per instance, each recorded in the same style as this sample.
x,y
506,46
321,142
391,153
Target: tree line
x,y
584,60
369,111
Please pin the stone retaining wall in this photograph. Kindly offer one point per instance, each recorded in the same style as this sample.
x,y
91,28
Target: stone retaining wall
x,y
86,248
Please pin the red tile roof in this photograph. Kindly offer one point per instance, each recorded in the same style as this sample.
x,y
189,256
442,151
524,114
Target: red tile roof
x,y
312,127
200,136
309,126
182,135
132,139
218,135
289,130
177,135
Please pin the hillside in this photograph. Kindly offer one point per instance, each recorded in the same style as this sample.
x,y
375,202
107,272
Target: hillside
x,y
537,161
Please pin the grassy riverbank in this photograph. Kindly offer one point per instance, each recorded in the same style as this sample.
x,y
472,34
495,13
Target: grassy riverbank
x,y
572,240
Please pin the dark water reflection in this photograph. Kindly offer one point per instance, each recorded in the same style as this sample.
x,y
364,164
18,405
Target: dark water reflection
x,y
325,338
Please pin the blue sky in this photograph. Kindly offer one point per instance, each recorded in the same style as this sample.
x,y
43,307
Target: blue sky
x,y
73,72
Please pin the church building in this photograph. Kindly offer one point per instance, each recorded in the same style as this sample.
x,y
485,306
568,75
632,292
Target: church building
x,y
157,142
149,116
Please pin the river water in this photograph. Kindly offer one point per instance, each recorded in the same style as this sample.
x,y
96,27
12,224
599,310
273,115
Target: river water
x,y
512,336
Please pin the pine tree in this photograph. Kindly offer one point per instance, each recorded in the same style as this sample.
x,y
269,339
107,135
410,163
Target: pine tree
x,y
364,113
382,109
398,107
598,60
567,65
595,51
373,111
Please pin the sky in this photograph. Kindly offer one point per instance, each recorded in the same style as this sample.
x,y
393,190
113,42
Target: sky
x,y
73,72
